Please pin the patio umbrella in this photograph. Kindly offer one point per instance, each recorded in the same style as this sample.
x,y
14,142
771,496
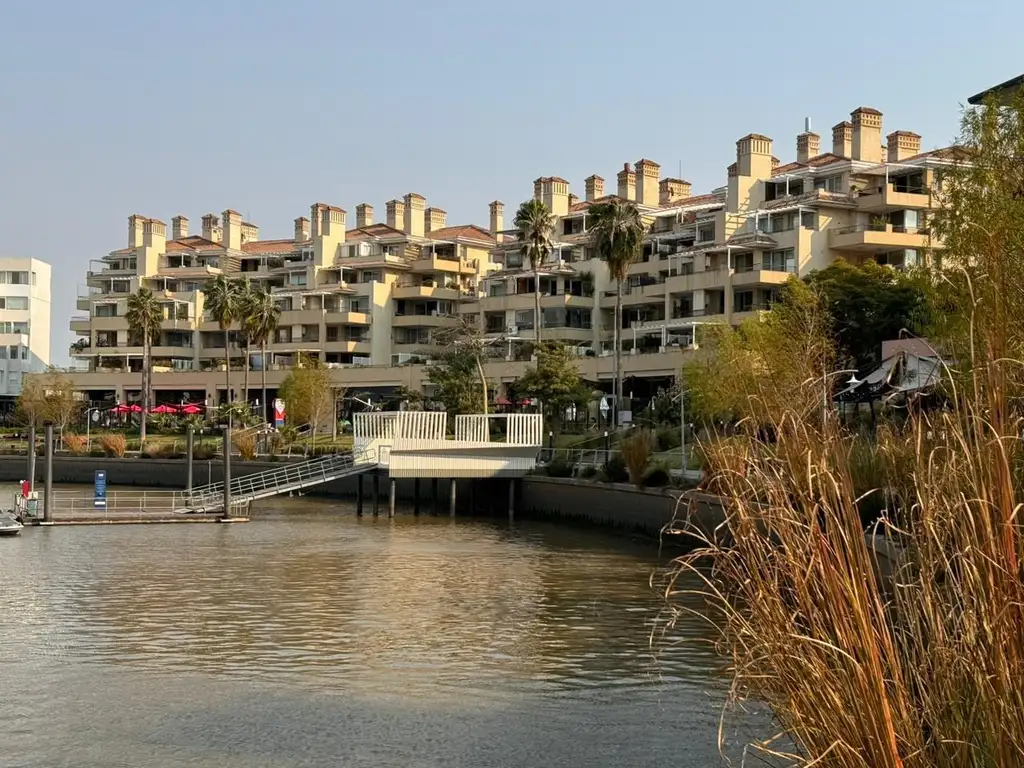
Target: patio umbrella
x,y
191,410
164,409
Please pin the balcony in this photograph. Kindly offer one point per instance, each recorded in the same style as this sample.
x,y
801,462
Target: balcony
x,y
886,197
361,348
428,292
759,276
697,281
301,317
343,317
431,263
424,321
866,238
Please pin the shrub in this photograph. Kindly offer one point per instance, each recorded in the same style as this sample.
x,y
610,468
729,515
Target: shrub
x,y
203,452
588,471
636,451
114,445
246,445
559,467
75,444
658,476
668,438
614,470
161,451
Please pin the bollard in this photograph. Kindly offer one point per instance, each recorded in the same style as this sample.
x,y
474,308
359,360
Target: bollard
x,y
32,457
227,470
189,454
48,475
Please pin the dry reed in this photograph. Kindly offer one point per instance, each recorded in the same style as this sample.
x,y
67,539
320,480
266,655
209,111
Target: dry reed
x,y
636,450
114,444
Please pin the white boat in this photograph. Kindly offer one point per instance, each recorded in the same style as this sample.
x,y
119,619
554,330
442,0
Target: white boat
x,y
9,525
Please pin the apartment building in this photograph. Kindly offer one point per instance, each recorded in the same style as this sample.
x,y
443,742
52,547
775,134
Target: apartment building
x,y
370,300
24,321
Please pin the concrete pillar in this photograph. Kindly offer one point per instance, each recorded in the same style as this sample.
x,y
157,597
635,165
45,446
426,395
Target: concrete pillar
x,y
376,494
189,456
359,495
416,496
451,498
32,457
511,499
391,499
472,496
227,470
48,475
434,495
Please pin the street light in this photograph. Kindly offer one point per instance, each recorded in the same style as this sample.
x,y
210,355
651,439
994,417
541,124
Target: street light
x,y
88,425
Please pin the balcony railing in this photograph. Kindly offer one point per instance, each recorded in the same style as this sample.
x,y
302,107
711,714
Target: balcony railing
x,y
897,228
741,268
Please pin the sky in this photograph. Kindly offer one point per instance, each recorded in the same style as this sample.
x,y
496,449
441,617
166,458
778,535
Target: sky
x,y
109,107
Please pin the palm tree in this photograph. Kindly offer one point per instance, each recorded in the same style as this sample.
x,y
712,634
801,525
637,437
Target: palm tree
x,y
245,299
223,302
261,321
617,232
145,318
536,224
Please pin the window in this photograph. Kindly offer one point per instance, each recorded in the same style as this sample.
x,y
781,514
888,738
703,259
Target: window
x,y
706,233
297,279
830,183
16,302
3,353
783,222
370,276
524,319
24,353
33,278
743,301
808,219
783,260
743,262
513,259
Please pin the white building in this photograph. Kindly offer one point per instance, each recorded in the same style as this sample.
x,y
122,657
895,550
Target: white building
x,y
24,320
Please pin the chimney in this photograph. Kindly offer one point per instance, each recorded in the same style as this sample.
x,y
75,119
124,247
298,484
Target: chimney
x,y
627,182
154,233
673,191
554,192
497,220
232,229
415,207
434,219
301,229
395,211
902,144
867,134
647,173
594,187
211,228
135,223
316,215
573,199
754,163
842,139
329,235
250,232
179,228
537,185
154,244
808,145
364,215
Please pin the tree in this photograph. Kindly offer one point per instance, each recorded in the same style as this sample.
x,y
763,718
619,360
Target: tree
x,y
617,232
536,224
460,361
870,304
145,318
309,394
555,381
224,304
50,396
261,320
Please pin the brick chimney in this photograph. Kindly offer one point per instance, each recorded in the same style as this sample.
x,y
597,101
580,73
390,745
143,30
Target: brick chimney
x,y
135,222
434,219
902,144
554,193
179,228
316,215
594,187
867,134
211,228
573,199
497,220
329,235
808,145
647,174
250,232
395,212
301,229
842,139
232,229
415,207
627,182
673,190
364,215
153,246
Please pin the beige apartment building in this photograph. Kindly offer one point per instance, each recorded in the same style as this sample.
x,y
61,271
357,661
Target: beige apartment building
x,y
369,301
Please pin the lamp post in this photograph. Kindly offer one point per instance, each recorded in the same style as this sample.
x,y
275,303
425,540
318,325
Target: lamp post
x,y
88,427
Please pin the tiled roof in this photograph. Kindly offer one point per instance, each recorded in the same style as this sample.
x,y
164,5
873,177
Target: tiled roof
x,y
462,232
372,231
946,153
695,200
257,247
585,204
866,111
818,161
192,243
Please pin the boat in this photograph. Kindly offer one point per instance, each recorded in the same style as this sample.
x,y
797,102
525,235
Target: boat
x,y
9,525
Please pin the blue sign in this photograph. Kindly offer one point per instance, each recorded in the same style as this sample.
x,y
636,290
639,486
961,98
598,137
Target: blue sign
x,y
100,489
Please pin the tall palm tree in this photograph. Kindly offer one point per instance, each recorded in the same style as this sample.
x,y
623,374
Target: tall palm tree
x,y
617,233
262,317
145,317
536,225
222,298
245,299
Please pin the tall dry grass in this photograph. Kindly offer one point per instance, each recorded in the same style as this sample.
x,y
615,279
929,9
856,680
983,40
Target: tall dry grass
x,y
637,449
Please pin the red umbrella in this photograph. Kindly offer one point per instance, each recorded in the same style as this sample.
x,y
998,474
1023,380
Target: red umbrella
x,y
164,409
191,410
125,408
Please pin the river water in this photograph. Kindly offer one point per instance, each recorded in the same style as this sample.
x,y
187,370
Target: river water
x,y
309,637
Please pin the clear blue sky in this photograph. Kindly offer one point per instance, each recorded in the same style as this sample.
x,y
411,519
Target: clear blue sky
x,y
112,107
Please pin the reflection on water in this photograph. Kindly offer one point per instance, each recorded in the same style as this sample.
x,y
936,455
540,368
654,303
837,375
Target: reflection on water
x,y
309,637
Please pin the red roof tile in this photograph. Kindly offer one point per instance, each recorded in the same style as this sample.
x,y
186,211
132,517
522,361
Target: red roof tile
x,y
695,200
257,247
462,232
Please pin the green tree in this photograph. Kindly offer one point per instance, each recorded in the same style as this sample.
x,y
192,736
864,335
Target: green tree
x,y
555,381
870,304
261,321
223,300
49,396
617,232
309,394
145,317
458,370
536,225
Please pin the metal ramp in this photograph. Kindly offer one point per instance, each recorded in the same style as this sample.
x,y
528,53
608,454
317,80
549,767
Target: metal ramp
x,y
262,485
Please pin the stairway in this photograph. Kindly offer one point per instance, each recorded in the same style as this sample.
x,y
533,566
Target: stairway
x,y
291,477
